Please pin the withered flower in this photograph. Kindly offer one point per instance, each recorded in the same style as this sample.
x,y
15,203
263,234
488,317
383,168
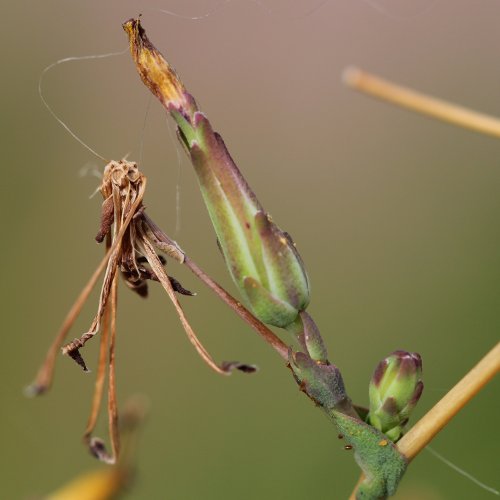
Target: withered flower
x,y
134,247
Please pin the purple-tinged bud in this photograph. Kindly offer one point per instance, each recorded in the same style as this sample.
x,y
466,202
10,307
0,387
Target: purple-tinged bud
x,y
261,258
395,389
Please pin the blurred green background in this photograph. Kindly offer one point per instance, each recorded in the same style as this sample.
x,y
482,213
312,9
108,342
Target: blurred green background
x,y
396,216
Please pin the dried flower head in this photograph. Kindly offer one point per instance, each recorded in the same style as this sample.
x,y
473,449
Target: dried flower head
x,y
135,246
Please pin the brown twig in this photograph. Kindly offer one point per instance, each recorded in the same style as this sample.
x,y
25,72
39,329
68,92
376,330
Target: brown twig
x,y
421,434
271,338
43,380
416,101
112,403
101,370
99,382
157,268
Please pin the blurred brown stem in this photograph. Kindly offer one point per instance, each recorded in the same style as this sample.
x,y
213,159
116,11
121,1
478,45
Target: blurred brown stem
x,y
421,434
43,380
416,101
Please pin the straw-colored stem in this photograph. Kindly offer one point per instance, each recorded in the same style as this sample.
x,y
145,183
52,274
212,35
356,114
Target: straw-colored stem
x,y
43,380
112,403
99,383
421,434
101,370
416,101
430,424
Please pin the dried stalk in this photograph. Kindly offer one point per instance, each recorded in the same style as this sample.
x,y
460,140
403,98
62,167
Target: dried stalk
x,y
99,382
270,337
44,377
112,404
157,268
416,101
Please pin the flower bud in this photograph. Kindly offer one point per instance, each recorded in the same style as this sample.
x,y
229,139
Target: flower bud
x,y
395,389
261,259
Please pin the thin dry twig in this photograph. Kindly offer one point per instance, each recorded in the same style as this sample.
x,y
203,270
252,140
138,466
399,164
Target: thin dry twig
x,y
45,375
157,268
112,403
101,371
100,378
269,336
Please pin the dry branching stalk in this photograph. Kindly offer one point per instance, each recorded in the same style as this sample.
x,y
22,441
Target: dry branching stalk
x,y
134,246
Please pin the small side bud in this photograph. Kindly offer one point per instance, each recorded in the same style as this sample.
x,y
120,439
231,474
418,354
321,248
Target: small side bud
x,y
395,389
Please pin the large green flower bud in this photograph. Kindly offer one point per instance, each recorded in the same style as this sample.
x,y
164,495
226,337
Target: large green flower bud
x,y
261,259
395,389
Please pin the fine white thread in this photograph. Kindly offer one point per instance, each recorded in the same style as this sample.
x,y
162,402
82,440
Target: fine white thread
x,y
53,113
387,12
462,472
178,180
218,7
143,131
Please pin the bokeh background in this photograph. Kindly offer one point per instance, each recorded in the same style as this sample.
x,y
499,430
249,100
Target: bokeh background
x,y
396,216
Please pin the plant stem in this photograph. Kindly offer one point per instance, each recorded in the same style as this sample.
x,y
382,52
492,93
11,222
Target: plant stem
x,y
416,101
421,434
43,380
269,336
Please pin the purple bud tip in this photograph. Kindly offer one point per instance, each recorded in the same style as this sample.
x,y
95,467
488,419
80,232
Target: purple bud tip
x,y
410,362
379,372
418,392
390,407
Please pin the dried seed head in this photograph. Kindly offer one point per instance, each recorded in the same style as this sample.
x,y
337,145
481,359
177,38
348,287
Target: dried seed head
x,y
155,71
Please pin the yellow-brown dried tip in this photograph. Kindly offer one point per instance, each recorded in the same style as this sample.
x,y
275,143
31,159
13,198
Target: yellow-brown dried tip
x,y
153,68
103,484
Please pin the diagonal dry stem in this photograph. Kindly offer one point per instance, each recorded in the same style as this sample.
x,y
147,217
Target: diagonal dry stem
x,y
43,380
112,403
73,347
416,101
157,268
269,336
421,434
99,383
101,371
